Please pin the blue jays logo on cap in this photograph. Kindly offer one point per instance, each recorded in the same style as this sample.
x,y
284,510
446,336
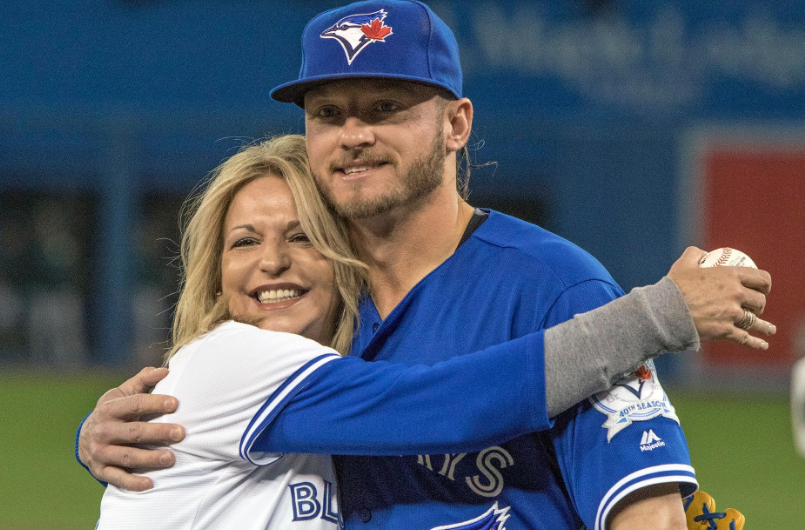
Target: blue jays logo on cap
x,y
492,519
356,32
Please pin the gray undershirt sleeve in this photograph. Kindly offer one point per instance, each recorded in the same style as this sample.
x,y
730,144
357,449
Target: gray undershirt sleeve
x,y
588,353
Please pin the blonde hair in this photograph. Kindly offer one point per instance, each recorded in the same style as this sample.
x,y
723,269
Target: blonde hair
x,y
201,306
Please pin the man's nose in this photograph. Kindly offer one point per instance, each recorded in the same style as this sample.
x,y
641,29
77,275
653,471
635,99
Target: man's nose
x,y
356,133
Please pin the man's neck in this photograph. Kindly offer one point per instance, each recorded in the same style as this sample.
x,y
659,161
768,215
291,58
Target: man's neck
x,y
403,246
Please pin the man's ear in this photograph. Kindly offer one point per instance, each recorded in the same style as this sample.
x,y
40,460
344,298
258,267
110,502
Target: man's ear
x,y
459,124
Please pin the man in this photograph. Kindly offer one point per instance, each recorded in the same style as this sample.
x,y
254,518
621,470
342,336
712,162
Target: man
x,y
385,119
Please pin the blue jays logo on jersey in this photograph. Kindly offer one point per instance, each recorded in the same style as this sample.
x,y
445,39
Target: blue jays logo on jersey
x,y
356,32
492,519
637,397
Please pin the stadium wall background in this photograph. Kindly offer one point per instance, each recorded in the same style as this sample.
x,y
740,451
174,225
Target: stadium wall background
x,y
595,111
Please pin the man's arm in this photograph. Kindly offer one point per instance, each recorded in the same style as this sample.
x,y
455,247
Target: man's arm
x,y
657,507
622,441
593,350
103,441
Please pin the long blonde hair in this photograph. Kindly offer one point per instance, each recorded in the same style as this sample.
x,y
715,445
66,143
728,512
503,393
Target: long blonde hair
x,y
201,307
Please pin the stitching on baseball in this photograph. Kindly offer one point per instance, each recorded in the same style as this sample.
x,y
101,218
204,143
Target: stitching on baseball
x,y
724,258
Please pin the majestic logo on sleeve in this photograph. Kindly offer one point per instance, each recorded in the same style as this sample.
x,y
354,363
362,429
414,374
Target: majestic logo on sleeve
x,y
356,32
638,397
650,441
492,519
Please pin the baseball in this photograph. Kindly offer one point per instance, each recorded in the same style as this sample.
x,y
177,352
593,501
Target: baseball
x,y
727,257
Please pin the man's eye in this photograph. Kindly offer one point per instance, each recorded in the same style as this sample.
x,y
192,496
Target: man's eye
x,y
327,112
387,106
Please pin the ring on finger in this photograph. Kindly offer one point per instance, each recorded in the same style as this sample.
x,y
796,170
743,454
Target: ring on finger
x,y
747,321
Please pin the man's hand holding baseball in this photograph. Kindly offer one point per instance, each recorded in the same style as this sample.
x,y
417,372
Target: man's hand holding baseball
x,y
720,298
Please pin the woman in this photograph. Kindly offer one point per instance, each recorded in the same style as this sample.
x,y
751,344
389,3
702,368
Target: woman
x,y
200,305
269,278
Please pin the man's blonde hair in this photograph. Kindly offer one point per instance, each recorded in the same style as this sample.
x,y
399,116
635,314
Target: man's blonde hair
x,y
201,306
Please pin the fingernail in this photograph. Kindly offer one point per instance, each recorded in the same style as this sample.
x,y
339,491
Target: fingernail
x,y
176,433
170,404
772,328
165,460
764,345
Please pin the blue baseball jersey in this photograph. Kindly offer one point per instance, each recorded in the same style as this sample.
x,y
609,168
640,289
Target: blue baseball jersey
x,y
507,280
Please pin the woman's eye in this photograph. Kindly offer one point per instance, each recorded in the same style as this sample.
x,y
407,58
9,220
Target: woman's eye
x,y
300,238
243,242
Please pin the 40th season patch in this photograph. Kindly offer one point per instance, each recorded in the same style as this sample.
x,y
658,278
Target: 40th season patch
x,y
637,397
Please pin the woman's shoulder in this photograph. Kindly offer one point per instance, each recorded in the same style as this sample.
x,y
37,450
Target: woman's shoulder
x,y
233,330
236,339
240,357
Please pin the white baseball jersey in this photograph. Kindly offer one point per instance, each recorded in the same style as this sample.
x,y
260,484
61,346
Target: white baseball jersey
x,y
222,381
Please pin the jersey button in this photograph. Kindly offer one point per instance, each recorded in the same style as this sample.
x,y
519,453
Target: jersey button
x,y
365,514
375,326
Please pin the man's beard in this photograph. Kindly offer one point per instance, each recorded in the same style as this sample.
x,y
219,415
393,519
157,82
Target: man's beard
x,y
424,176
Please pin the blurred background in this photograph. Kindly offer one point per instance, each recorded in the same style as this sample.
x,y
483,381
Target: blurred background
x,y
632,128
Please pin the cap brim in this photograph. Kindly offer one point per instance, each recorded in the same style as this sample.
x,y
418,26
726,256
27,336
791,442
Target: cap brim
x,y
294,91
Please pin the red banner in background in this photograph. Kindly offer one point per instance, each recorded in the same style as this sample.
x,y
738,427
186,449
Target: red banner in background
x,y
754,200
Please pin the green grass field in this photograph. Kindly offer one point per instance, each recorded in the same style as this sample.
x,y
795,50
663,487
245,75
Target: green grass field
x,y
741,447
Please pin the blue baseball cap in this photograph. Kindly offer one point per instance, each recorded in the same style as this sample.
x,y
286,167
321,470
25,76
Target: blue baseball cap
x,y
389,39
